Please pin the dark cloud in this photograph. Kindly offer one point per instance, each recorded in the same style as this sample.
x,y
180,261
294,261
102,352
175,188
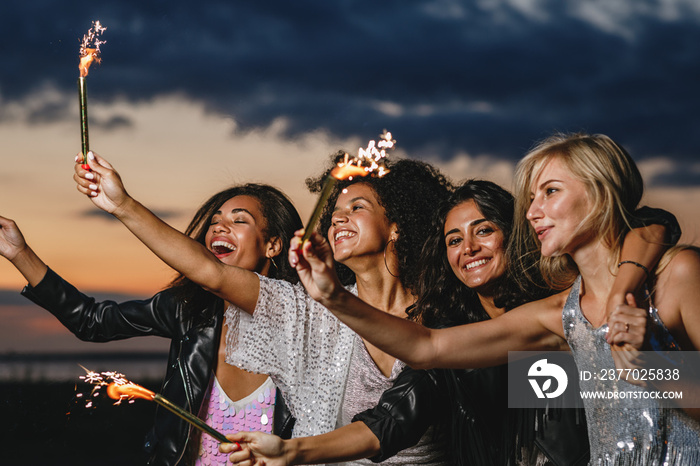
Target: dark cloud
x,y
460,77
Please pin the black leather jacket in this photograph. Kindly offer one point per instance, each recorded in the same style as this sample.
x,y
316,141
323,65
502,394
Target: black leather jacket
x,y
404,413
193,351
469,411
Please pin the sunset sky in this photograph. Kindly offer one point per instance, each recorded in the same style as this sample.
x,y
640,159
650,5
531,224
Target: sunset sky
x,y
194,96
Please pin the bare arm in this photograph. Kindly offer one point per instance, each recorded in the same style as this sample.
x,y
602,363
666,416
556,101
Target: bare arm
x,y
15,249
104,187
535,326
351,442
643,246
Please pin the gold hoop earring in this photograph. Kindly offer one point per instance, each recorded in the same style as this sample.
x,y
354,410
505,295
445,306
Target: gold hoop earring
x,y
273,262
385,264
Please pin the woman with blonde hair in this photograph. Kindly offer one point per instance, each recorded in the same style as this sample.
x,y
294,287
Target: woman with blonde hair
x,y
577,193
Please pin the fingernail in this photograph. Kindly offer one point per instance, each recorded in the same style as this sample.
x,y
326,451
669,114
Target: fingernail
x,y
93,194
91,156
89,176
93,187
77,157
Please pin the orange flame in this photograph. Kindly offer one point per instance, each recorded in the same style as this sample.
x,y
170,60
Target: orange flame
x,y
90,48
128,390
86,61
368,161
346,171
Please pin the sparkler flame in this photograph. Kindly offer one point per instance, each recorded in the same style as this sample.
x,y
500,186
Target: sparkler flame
x,y
120,389
100,380
368,161
128,391
90,48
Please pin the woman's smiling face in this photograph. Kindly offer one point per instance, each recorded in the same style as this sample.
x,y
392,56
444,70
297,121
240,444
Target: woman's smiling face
x,y
236,234
359,227
475,246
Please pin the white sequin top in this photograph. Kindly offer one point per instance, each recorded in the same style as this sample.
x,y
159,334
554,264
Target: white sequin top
x,y
302,346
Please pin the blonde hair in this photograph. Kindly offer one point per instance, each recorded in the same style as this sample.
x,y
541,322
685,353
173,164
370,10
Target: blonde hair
x,y
613,184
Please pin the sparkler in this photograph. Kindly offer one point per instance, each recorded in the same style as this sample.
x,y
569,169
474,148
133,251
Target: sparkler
x,y
120,389
369,161
89,52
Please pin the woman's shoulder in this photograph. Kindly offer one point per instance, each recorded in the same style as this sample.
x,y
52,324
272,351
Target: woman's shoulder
x,y
680,265
550,304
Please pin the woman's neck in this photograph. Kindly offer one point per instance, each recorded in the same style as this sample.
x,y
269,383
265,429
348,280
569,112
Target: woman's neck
x,y
384,291
593,262
489,306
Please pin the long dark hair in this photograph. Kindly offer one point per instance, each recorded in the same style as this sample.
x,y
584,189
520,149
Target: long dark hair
x,y
443,300
408,194
281,221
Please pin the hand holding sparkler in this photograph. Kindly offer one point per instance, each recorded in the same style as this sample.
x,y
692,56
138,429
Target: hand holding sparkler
x,y
255,447
101,183
313,261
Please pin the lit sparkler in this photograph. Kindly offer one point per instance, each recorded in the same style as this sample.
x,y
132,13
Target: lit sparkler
x,y
120,389
369,161
89,53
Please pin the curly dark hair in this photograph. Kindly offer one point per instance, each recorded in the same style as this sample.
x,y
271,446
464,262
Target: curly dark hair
x,y
281,221
443,300
408,194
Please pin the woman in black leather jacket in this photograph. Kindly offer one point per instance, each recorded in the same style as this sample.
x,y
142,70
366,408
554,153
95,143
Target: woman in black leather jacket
x,y
250,225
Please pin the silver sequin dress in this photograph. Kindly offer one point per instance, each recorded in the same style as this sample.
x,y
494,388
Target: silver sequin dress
x,y
302,346
625,431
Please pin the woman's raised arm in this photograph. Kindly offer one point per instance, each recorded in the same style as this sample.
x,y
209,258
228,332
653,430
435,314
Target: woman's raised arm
x,y
104,187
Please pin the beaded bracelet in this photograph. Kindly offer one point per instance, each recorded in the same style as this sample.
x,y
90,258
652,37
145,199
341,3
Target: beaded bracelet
x,y
641,266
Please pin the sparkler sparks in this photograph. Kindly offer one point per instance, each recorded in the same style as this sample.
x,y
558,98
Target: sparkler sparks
x,y
99,380
369,161
121,389
90,47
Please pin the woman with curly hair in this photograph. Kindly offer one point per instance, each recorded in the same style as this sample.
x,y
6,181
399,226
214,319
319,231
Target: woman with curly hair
x,y
325,372
577,193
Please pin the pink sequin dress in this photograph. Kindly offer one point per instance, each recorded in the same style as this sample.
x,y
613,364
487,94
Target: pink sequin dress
x,y
252,413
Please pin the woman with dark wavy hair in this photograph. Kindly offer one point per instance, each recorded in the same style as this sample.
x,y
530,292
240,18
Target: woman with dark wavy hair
x,y
248,226
466,278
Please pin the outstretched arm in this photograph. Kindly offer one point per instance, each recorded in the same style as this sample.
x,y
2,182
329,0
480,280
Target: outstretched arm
x,y
105,188
14,248
535,326
351,442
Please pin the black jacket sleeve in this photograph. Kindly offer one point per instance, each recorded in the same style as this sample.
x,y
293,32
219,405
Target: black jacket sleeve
x,y
403,414
103,321
649,216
